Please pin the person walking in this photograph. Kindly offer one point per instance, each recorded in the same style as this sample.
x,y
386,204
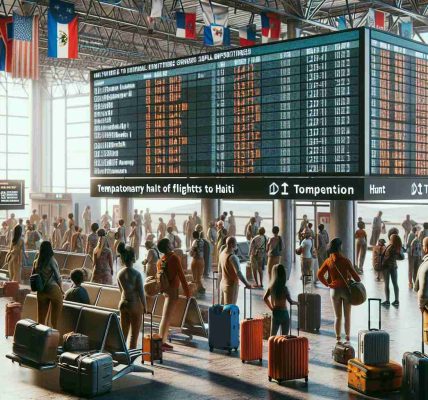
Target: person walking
x,y
198,264
77,240
139,223
306,254
421,283
134,240
231,231
122,230
147,218
51,295
415,253
361,246
102,261
56,236
338,270
86,217
257,255
170,264
92,240
43,227
171,223
161,231
273,250
412,235
188,228
151,259
322,240
407,225
279,295
376,229
16,255
132,303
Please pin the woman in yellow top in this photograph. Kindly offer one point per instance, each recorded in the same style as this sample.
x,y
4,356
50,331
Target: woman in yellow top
x,y
16,254
361,246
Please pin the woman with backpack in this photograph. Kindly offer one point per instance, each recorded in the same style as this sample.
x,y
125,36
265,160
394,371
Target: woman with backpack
x,y
273,250
102,261
198,264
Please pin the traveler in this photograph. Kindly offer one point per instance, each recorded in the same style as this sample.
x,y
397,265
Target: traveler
x,y
43,227
306,252
170,264
410,237
231,231
171,223
70,221
338,270
105,220
77,293
77,240
229,273
198,263
147,218
279,295
139,223
134,240
378,251
102,260
161,231
258,218
424,232
86,217
273,250
151,259
303,226
361,246
16,255
393,252
173,238
32,238
34,218
51,295
188,228
196,219
257,255
122,230
92,240
251,229
421,284
11,222
221,237
321,241
415,254
407,225
132,303
62,227
377,227
311,231
66,238
56,236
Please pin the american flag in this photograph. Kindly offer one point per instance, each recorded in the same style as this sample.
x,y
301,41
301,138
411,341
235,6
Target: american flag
x,y
25,58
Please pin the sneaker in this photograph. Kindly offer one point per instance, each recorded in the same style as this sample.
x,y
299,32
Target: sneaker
x,y
167,347
396,303
386,303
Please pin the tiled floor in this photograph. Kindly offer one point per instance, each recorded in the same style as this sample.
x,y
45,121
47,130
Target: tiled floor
x,y
192,372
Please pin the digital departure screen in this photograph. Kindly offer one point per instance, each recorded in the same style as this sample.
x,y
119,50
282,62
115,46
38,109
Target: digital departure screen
x,y
12,195
291,107
398,106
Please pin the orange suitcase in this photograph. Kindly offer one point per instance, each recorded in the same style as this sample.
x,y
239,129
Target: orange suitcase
x,y
13,315
152,345
251,335
288,357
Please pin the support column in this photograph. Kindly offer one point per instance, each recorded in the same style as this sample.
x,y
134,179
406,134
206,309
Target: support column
x,y
209,211
342,225
283,219
126,207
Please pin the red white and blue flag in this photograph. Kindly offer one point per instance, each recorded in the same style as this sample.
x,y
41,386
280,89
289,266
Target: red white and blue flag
x,y
216,35
186,24
271,27
247,35
63,27
25,49
6,43
216,21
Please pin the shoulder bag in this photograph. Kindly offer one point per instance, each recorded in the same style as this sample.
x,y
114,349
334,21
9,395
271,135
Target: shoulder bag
x,y
356,290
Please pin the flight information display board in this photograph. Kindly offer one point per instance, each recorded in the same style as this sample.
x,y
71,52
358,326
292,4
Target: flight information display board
x,y
398,106
291,107
12,195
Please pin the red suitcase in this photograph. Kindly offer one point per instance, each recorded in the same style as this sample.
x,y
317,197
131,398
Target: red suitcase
x,y
13,315
288,357
10,288
251,335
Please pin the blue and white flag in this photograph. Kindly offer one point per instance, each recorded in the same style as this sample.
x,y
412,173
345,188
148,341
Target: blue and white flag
x,y
341,22
406,28
216,35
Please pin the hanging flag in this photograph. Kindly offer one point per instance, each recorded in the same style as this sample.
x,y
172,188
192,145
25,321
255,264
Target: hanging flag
x,y
271,27
406,28
6,43
25,52
216,35
63,29
186,24
341,22
375,19
247,35
214,13
111,2
156,11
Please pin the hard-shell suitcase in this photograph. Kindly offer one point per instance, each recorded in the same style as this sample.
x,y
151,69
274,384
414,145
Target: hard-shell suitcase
x,y
35,342
10,288
373,344
223,326
152,345
288,357
267,321
343,352
13,315
86,374
309,310
415,372
371,379
251,335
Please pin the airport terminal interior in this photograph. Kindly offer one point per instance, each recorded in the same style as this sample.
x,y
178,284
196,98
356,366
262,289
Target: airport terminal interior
x,y
213,199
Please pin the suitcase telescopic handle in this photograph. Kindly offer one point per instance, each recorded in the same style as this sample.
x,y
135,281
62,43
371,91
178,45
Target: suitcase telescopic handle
x,y
245,303
423,332
214,280
291,319
380,314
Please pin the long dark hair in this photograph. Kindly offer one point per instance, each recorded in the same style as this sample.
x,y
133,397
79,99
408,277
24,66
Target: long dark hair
x,y
45,254
17,234
278,281
127,255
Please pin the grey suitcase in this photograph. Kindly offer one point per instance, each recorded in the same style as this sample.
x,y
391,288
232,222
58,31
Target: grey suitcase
x,y
309,310
86,374
373,344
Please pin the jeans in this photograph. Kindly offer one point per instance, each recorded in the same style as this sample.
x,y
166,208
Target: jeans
x,y
280,318
394,278
340,299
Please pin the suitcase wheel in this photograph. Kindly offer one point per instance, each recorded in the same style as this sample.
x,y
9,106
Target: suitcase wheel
x,y
211,349
161,361
236,349
279,381
243,362
270,379
260,361
229,352
306,379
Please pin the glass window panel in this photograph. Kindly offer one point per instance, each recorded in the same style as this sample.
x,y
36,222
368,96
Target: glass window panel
x,y
18,161
2,84
2,174
18,125
78,130
17,89
78,160
18,144
78,114
17,107
2,142
3,158
2,105
78,101
80,145
15,174
78,178
2,124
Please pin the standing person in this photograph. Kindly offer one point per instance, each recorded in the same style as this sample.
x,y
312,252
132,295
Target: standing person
x,y
170,264
311,231
171,223
303,226
161,231
106,220
273,250
421,284
230,273
305,250
424,232
212,240
31,238
16,255
252,229
77,240
198,263
410,238
139,222
196,219
122,230
258,218
134,241
147,222
70,221
11,222
221,237
132,303
173,238
407,225
257,255
51,295
102,260
92,239
151,259
66,239
361,246
378,251
56,237
62,227
86,217
393,252
415,252
338,269
21,224
5,232
279,295
232,224
321,241
34,218
376,228
190,227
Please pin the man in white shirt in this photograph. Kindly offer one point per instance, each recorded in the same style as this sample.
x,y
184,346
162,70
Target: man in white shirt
x,y
306,247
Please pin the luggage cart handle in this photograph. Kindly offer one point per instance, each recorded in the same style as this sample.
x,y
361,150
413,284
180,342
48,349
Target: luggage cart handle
x,y
380,313
245,303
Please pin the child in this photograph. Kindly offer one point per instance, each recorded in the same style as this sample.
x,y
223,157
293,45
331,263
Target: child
x,y
279,295
377,251
77,293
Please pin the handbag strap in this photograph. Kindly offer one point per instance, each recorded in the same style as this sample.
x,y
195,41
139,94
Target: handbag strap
x,y
344,280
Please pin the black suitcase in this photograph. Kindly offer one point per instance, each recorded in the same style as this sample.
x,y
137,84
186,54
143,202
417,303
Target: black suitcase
x,y
309,310
415,372
86,374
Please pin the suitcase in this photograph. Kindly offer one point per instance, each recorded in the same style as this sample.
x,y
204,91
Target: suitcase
x,y
10,288
251,332
372,379
415,370
21,294
373,344
86,374
13,315
309,310
288,357
152,345
35,342
343,352
223,326
73,341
